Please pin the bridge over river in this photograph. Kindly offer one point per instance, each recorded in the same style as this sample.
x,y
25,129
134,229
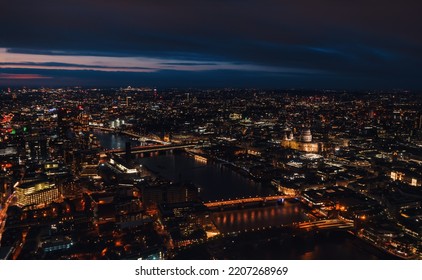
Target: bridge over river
x,y
259,213
247,201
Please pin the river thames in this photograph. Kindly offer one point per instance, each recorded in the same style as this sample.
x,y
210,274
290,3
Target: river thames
x,y
215,181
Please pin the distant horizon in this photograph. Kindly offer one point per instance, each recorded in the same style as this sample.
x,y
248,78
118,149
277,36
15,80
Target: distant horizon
x,y
4,88
180,79
360,45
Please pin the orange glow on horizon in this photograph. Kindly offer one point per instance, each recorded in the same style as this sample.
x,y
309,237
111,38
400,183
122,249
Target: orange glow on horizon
x,y
6,76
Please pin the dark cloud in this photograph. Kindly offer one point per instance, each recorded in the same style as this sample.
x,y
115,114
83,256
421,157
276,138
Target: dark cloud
x,y
359,43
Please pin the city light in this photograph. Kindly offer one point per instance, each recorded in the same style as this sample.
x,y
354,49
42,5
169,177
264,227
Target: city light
x,y
126,174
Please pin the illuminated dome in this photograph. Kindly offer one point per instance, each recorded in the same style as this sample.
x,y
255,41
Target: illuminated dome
x,y
306,136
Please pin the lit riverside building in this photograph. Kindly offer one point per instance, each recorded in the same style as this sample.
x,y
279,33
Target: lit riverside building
x,y
37,192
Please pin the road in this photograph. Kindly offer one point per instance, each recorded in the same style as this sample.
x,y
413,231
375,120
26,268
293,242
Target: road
x,y
3,214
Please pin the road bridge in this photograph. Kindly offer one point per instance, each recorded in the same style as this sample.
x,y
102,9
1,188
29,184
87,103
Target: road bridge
x,y
247,200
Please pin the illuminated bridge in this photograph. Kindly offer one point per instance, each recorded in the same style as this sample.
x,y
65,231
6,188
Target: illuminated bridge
x,y
325,224
152,148
158,146
141,138
243,201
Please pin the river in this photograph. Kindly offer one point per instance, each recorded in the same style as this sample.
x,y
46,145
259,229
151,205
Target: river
x,y
217,182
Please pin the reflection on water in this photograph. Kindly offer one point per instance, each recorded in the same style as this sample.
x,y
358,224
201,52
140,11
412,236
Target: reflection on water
x,y
113,140
215,181
285,244
276,215
325,245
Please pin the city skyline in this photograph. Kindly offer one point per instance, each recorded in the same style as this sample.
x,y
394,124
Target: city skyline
x,y
132,173
211,130
270,44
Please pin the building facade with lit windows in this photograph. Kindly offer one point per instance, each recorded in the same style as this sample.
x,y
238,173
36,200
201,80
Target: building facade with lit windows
x,y
37,192
406,176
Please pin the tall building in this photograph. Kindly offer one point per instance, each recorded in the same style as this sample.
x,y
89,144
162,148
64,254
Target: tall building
x,y
37,148
62,122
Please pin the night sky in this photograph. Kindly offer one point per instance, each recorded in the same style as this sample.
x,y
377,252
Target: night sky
x,y
359,44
